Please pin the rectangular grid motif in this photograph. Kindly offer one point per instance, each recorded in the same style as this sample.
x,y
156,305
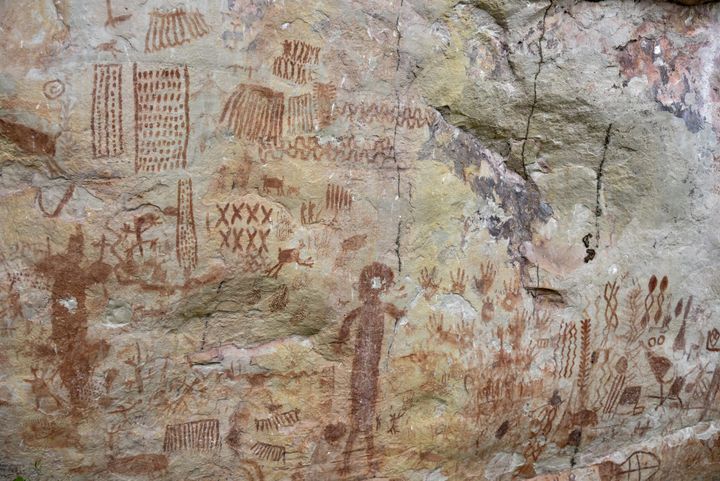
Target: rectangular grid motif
x,y
162,118
186,242
196,435
106,121
299,114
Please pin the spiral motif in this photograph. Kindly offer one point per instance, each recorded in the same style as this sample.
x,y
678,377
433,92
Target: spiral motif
x,y
53,89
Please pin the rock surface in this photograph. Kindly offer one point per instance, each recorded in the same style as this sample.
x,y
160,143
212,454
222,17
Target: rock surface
x,y
416,240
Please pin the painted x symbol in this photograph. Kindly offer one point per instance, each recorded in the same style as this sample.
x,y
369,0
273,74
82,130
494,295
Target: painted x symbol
x,y
226,237
251,239
252,213
236,212
237,236
263,240
222,218
266,214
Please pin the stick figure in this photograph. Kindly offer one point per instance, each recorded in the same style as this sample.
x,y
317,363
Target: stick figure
x,y
375,279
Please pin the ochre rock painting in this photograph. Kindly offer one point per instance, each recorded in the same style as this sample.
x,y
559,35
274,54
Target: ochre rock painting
x,y
341,240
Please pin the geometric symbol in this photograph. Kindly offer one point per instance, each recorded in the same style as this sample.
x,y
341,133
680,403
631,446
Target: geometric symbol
x,y
255,113
174,28
202,435
106,114
186,239
162,118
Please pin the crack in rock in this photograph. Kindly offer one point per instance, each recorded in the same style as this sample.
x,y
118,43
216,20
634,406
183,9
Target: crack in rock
x,y
598,186
535,79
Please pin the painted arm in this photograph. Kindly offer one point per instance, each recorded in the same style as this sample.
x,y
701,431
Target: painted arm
x,y
394,311
345,328
47,267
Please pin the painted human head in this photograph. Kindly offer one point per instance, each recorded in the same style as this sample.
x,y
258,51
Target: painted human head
x,y
374,280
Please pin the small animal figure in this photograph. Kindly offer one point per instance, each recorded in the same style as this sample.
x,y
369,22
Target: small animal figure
x,y
354,243
273,183
110,47
349,246
288,256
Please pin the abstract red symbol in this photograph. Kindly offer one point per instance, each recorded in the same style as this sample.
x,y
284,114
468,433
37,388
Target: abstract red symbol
x,y
337,198
568,348
61,204
407,117
255,113
186,238
713,337
378,151
201,435
172,29
299,114
162,118
268,452
324,97
293,63
639,466
106,117
273,423
244,228
113,20
53,89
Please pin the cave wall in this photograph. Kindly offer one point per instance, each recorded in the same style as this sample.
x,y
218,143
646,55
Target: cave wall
x,y
416,240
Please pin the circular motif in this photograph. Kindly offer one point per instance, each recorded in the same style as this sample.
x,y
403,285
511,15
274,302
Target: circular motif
x,y
53,89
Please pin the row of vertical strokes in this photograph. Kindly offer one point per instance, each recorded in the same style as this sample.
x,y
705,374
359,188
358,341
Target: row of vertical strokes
x,y
283,419
290,69
203,435
173,29
337,198
255,113
301,52
299,118
106,122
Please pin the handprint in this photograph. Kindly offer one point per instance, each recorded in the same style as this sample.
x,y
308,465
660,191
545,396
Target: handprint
x,y
487,277
512,294
427,281
488,311
435,322
458,282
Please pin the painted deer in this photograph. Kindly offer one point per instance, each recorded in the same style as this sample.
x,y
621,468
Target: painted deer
x,y
288,256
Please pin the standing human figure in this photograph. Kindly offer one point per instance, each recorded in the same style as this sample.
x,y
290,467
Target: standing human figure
x,y
375,279
70,280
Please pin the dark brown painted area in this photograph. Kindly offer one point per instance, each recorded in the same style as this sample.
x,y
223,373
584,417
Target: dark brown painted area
x,y
28,139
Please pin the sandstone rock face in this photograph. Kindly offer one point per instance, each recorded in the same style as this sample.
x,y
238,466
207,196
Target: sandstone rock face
x,y
415,240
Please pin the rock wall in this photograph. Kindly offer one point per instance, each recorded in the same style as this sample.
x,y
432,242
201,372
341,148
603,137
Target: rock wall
x,y
415,240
